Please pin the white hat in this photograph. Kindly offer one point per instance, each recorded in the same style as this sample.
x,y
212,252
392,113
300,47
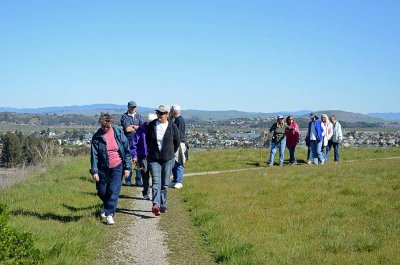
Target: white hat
x,y
151,117
176,108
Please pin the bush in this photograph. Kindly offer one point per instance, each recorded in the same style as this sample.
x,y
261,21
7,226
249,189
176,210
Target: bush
x,y
16,247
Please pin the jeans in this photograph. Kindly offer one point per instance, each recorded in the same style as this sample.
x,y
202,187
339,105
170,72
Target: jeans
x,y
108,188
160,172
274,145
335,150
324,150
144,172
178,171
316,151
309,153
292,158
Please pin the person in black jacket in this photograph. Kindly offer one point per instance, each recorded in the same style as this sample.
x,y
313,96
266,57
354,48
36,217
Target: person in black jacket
x,y
162,139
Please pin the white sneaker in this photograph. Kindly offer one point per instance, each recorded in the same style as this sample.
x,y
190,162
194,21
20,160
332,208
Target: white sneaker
x,y
102,213
110,220
178,185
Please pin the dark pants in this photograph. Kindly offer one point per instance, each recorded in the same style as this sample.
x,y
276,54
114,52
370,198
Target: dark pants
x,y
109,187
335,150
144,172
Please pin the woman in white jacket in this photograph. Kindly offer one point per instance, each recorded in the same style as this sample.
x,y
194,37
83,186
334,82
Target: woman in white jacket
x,y
327,136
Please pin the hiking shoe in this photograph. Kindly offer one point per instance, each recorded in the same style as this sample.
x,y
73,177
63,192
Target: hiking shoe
x,y
155,210
178,186
102,213
139,184
110,220
163,209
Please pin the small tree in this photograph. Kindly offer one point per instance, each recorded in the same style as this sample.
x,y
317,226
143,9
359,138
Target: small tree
x,y
11,155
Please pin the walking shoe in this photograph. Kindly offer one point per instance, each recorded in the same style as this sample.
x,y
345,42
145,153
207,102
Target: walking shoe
x,y
309,162
102,213
270,165
172,184
155,210
139,184
128,183
178,186
110,220
163,209
146,197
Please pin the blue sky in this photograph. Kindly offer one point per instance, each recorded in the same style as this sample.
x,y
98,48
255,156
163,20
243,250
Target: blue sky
x,y
260,56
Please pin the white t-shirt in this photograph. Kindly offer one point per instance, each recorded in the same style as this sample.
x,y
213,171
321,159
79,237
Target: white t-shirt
x,y
313,133
160,129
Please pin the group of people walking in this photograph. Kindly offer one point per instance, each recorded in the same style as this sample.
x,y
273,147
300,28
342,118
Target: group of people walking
x,y
155,146
322,135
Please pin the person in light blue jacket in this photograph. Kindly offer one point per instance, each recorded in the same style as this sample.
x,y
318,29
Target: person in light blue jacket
x,y
315,134
336,138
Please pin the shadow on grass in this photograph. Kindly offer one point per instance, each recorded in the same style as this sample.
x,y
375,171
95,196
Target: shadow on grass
x,y
123,196
48,216
135,213
77,209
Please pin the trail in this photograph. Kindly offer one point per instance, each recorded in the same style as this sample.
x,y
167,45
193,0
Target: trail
x,y
139,240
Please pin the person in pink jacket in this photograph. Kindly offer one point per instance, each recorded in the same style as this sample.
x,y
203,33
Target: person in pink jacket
x,y
292,138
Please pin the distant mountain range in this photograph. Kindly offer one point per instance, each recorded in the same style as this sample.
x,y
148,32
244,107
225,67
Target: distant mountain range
x,y
205,114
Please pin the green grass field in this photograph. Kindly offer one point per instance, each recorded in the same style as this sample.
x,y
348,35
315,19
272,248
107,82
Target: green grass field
x,y
346,213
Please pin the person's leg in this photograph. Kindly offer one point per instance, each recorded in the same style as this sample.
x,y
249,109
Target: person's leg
x,y
336,151
138,178
166,171
323,152
272,153
155,171
314,152
113,190
101,186
309,154
282,146
144,171
291,154
179,170
175,173
328,150
319,153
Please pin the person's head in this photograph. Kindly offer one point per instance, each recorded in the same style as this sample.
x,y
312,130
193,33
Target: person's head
x,y
324,118
289,119
176,111
280,119
333,118
313,117
106,121
162,113
132,106
151,117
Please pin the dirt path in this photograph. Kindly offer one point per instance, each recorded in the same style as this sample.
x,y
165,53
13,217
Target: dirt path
x,y
139,238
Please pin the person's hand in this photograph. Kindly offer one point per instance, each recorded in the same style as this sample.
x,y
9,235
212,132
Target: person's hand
x,y
134,160
96,177
126,173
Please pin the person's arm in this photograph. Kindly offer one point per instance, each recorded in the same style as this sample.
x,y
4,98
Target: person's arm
x,y
127,159
94,171
176,140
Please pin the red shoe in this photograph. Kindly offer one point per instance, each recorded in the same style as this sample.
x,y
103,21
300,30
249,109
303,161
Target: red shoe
x,y
155,210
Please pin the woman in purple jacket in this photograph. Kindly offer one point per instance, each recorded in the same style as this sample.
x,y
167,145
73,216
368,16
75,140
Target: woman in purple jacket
x,y
138,149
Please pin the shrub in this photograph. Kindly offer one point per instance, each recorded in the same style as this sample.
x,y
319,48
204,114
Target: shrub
x,y
16,247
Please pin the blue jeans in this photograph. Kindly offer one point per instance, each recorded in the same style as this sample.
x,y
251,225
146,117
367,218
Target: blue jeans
x,y
108,188
316,151
160,172
178,171
274,145
292,158
335,150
